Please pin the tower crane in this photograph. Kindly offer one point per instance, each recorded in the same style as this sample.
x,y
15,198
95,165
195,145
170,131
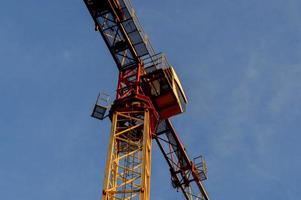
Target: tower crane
x,y
148,94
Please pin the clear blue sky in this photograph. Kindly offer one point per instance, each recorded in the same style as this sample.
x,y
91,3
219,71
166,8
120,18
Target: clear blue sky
x,y
239,61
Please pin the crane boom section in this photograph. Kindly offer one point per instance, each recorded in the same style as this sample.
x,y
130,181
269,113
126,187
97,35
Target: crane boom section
x,y
185,174
121,31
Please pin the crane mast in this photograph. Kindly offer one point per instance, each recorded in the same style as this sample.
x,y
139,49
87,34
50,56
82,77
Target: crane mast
x,y
148,94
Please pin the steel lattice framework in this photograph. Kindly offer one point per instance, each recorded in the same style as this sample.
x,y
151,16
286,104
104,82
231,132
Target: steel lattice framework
x,y
129,157
136,114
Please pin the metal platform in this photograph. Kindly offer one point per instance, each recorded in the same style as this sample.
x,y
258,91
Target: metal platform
x,y
101,106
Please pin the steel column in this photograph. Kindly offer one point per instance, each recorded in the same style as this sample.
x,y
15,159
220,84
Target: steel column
x,y
128,168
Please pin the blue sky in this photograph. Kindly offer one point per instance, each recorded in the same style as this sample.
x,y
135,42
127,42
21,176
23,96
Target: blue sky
x,y
239,62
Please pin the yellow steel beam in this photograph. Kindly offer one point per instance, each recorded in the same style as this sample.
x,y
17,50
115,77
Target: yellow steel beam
x,y
128,168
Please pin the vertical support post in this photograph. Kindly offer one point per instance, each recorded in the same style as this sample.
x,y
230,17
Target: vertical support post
x,y
147,143
128,168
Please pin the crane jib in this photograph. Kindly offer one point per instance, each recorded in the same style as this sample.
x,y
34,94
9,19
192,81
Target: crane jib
x,y
121,31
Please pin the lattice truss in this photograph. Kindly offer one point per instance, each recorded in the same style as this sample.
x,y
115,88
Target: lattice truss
x,y
115,39
185,174
123,39
119,28
129,157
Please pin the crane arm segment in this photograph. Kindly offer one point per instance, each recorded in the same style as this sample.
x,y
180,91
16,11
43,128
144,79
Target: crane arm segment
x,y
186,175
121,31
